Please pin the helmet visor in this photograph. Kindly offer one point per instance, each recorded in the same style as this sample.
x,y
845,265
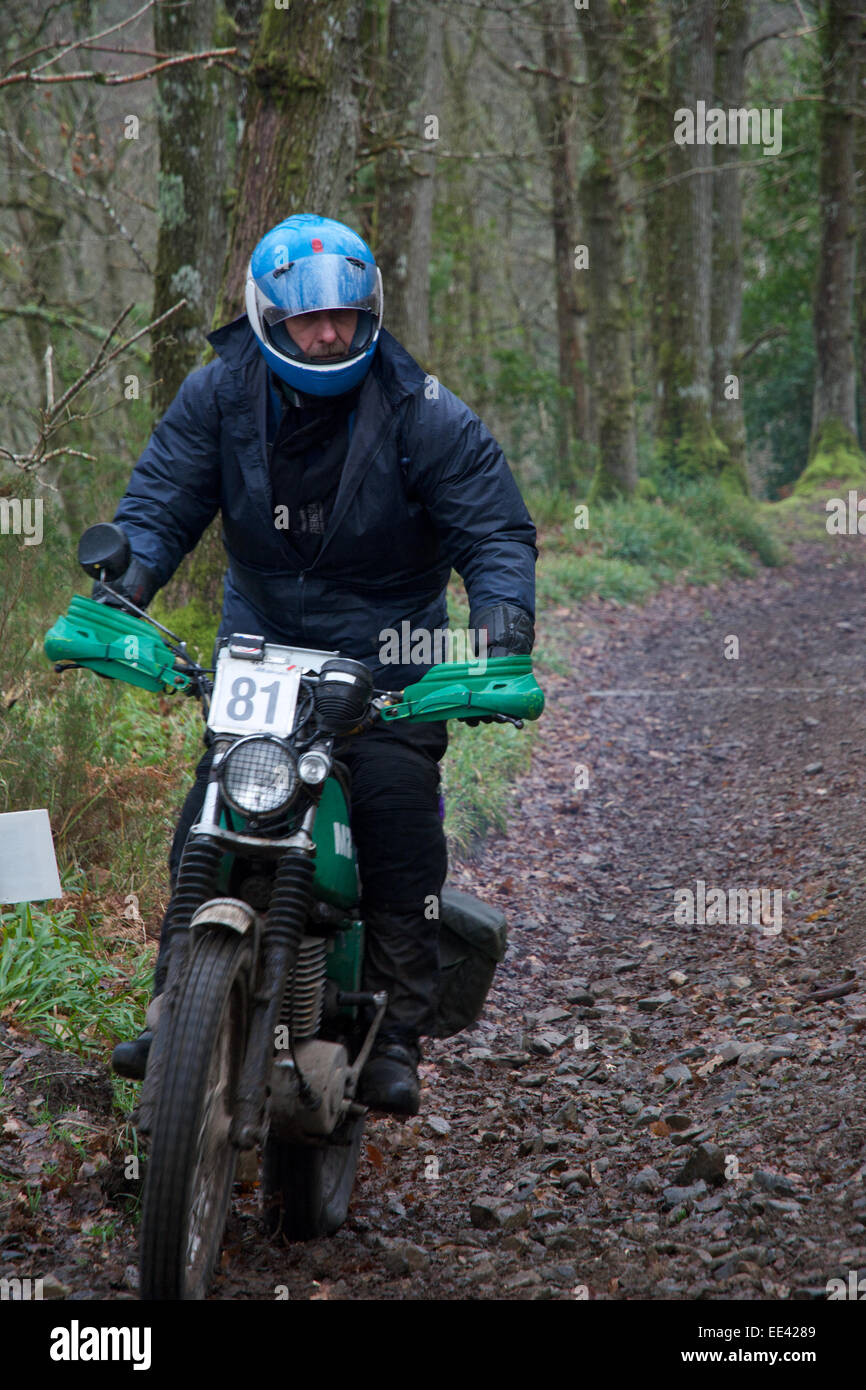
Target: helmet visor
x,y
317,282
280,338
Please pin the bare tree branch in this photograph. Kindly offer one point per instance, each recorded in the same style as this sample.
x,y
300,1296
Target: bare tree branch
x,y
779,330
49,378
115,79
535,70
51,421
780,34
70,48
58,319
81,192
47,47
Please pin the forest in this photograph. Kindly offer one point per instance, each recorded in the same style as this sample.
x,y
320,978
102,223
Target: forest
x,y
631,237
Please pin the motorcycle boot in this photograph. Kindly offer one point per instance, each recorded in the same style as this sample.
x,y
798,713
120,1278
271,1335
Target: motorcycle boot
x,y
401,958
389,1081
129,1058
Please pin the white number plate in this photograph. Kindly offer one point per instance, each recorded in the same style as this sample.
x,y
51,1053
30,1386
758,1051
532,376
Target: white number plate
x,y
254,697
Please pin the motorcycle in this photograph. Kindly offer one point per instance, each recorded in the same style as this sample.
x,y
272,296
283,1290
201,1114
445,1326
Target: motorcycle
x,y
263,1029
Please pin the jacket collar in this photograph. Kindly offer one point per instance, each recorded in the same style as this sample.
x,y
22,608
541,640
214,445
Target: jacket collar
x,y
393,376
397,372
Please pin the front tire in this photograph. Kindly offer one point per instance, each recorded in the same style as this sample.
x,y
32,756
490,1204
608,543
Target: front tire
x,y
191,1165
306,1188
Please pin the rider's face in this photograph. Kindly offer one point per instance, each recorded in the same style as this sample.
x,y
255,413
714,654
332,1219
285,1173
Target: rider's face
x,y
325,332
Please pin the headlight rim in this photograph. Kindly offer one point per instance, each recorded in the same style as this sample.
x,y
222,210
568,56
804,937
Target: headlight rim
x,y
291,758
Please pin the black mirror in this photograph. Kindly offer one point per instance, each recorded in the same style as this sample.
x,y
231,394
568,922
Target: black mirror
x,y
104,551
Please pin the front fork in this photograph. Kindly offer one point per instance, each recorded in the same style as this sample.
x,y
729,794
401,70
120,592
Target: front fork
x,y
281,940
286,919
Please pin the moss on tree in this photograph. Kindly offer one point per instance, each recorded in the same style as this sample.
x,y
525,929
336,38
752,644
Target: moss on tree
x,y
835,458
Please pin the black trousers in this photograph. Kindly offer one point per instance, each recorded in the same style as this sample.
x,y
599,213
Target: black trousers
x,y
402,860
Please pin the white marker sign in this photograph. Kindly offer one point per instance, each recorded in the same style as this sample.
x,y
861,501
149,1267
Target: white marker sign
x,y
28,867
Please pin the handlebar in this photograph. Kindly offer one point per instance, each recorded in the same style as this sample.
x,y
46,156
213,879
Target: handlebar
x,y
118,641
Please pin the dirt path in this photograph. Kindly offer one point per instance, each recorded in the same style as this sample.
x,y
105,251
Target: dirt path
x,y
650,1108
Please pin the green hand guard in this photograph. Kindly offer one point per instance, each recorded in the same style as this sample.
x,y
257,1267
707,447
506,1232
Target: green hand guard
x,y
459,689
114,644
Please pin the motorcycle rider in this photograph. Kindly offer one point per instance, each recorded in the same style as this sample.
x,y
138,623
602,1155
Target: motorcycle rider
x,y
349,483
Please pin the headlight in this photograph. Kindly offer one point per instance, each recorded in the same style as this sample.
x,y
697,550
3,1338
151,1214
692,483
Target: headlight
x,y
259,777
342,694
314,767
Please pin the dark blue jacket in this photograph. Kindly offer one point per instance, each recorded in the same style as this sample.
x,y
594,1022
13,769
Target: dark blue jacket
x,y
424,487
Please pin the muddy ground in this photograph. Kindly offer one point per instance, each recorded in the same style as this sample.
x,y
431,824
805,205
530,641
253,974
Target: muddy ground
x,y
650,1108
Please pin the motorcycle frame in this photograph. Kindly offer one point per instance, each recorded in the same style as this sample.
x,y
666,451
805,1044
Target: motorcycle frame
x,y
267,987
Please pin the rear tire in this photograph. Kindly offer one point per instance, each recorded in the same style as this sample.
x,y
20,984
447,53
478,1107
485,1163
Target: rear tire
x,y
190,1169
306,1188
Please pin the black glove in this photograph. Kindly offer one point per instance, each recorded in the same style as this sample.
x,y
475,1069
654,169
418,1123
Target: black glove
x,y
137,583
509,628
510,632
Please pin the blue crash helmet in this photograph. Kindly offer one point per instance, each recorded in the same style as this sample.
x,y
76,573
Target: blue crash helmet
x,y
303,265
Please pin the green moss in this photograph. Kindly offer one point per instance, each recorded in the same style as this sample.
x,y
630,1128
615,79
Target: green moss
x,y
699,451
835,459
171,200
604,487
274,65
225,29
194,622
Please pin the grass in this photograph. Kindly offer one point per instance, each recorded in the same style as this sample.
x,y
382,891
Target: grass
x,y
699,533
479,771
65,984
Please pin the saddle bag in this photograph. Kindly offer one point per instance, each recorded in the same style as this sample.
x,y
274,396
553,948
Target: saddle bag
x,y
472,941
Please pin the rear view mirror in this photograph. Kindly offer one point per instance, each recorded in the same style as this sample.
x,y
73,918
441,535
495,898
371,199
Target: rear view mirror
x,y
104,551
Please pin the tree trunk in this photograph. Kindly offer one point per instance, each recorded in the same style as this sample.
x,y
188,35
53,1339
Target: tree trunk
x,y
466,365
834,423
300,136
193,109
860,283
647,30
411,92
727,268
686,429
296,154
600,197
555,115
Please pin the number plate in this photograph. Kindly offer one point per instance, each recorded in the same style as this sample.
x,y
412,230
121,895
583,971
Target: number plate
x,y
254,697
